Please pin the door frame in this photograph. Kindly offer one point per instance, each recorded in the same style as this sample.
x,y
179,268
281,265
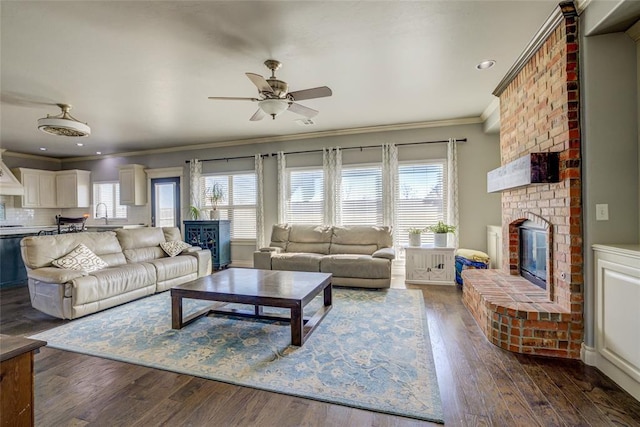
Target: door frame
x,y
177,206
173,172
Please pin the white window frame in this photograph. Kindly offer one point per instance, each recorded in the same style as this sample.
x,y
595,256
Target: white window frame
x,y
114,209
226,209
291,216
379,210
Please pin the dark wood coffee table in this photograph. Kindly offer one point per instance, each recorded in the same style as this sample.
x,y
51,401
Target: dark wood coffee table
x,y
285,289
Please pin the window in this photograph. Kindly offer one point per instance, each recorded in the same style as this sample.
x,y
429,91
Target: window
x,y
362,195
305,201
238,204
421,197
106,201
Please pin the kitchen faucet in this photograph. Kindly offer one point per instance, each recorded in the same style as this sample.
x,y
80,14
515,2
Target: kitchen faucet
x,y
105,217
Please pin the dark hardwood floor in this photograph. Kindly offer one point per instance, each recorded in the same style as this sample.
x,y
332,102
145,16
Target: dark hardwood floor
x,y
480,384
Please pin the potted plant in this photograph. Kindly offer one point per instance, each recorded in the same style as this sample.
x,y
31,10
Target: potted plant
x,y
415,235
194,212
440,231
215,195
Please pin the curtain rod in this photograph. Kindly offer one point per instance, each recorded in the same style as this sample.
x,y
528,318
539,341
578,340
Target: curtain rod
x,y
320,150
228,158
375,146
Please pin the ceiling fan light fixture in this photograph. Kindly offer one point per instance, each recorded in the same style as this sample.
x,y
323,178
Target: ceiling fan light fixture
x,y
64,124
273,107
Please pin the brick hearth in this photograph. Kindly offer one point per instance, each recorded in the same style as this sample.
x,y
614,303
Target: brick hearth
x,y
539,112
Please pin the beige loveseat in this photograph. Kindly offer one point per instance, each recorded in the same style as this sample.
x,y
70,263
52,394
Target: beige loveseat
x,y
356,256
136,266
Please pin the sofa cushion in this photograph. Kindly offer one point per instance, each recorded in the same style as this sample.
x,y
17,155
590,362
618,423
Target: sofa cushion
x,y
316,248
362,235
174,248
296,261
280,236
354,265
141,244
81,259
337,248
41,251
110,282
170,268
309,233
171,234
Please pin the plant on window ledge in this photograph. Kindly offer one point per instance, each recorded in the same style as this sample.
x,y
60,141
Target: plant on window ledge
x,y
215,195
194,212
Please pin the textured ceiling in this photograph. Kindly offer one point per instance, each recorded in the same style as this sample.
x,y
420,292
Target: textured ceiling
x,y
140,72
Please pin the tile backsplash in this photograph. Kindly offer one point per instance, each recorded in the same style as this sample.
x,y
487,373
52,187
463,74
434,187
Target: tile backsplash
x,y
14,215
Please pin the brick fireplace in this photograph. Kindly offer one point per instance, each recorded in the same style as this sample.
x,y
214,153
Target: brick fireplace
x,y
539,112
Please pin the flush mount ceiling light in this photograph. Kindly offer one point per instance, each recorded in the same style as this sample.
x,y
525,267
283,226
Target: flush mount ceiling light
x,y
64,124
486,64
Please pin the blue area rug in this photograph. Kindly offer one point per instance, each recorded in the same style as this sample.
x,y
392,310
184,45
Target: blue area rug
x,y
371,351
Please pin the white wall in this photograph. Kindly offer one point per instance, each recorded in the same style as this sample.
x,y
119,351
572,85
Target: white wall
x,y
475,158
610,149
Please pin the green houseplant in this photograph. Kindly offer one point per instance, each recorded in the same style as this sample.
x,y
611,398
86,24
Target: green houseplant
x,y
415,235
194,212
440,231
215,194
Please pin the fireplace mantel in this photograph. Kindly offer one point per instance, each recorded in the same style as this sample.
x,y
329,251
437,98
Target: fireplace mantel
x,y
534,168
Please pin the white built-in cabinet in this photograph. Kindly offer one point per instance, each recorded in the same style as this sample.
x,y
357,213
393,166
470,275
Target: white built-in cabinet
x,y
54,189
427,264
133,185
73,188
617,314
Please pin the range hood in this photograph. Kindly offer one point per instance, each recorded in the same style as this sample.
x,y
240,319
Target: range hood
x,y
9,184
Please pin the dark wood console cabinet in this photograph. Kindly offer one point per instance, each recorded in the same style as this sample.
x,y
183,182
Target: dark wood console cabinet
x,y
212,235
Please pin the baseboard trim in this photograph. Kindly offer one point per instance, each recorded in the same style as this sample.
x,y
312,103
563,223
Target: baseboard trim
x,y
588,355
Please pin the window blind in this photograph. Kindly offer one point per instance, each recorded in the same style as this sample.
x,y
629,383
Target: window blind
x,y
238,204
362,195
305,198
421,198
109,194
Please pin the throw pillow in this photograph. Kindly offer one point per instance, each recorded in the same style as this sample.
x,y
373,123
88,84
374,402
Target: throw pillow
x,y
81,258
175,247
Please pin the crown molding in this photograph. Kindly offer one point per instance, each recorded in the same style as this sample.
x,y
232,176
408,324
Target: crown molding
x,y
634,32
284,138
31,156
491,108
534,45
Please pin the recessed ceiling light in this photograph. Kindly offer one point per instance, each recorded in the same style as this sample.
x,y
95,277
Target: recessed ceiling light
x,y
43,149
486,64
98,152
79,144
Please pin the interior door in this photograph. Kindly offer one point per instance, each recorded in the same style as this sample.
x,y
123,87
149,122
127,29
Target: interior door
x,y
165,202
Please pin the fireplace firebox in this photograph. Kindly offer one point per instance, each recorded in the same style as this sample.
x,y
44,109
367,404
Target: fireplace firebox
x,y
533,254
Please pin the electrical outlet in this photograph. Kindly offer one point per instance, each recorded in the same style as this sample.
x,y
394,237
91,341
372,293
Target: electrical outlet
x,y
602,212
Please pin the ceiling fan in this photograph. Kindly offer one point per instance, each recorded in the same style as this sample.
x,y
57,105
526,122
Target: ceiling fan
x,y
274,98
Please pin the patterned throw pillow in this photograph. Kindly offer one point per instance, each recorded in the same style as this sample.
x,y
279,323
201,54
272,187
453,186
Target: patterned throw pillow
x,y
175,247
81,258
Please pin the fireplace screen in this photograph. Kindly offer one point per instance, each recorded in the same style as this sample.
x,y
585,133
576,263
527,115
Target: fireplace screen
x,y
533,255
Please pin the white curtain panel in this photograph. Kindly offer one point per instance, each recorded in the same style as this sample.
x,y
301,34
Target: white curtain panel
x,y
282,188
332,168
195,172
452,193
260,242
389,185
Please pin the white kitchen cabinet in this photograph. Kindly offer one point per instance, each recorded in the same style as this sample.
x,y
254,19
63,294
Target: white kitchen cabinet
x,y
133,185
427,264
617,318
73,188
39,188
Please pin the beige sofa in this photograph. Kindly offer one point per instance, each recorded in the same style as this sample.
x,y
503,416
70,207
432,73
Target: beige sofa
x,y
137,266
356,256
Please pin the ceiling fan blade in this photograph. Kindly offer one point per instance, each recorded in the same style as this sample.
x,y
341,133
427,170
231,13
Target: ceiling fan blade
x,y
233,98
316,92
258,115
260,82
302,110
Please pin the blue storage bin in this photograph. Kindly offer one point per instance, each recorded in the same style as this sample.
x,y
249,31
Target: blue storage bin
x,y
463,263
